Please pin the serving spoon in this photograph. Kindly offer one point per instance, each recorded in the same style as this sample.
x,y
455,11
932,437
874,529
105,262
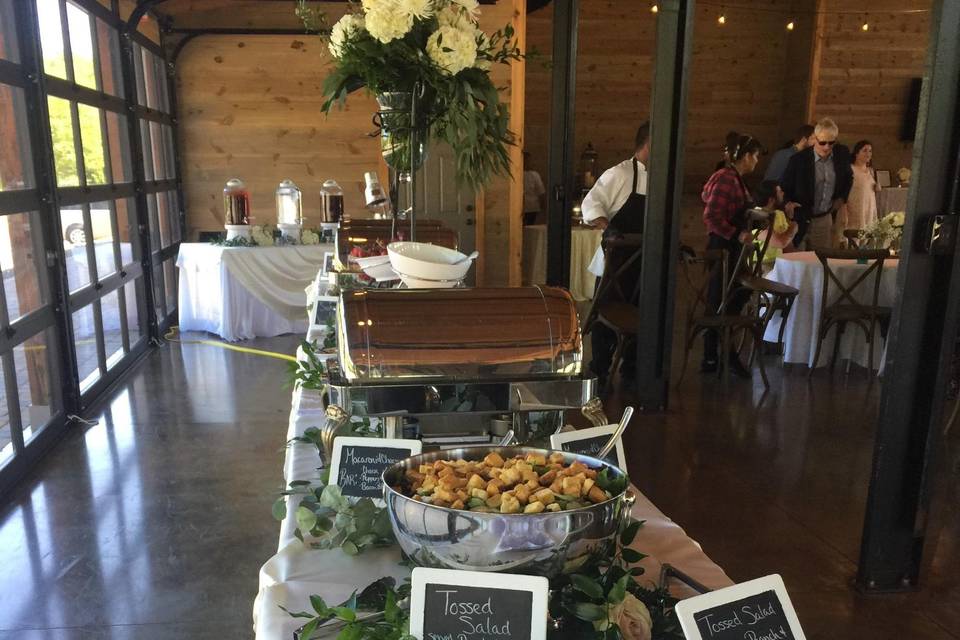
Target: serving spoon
x,y
472,256
624,420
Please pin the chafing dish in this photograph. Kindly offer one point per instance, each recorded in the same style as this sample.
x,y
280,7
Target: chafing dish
x,y
546,544
458,352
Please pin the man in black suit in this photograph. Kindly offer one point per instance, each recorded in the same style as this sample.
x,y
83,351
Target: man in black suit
x,y
818,179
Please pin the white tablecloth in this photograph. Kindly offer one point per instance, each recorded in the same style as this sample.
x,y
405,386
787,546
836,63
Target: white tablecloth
x,y
802,271
584,242
296,572
246,292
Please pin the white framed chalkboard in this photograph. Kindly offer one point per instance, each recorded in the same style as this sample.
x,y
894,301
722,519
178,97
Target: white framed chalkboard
x,y
756,610
589,442
358,463
471,605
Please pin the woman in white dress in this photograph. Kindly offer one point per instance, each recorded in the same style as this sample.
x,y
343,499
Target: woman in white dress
x,y
861,209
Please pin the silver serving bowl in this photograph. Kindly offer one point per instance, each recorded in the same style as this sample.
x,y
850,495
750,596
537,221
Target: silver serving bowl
x,y
545,544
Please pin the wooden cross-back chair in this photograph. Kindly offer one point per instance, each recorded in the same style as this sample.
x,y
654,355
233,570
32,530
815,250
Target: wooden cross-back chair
x,y
852,236
847,308
701,318
771,296
615,300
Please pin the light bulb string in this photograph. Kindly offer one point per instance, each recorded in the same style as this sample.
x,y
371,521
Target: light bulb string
x,y
724,7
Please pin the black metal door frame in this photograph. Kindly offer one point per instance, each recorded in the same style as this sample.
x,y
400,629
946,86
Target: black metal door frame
x,y
560,162
923,332
661,234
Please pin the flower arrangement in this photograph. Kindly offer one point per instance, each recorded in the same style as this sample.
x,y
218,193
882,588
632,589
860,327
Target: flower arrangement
x,y
390,46
885,233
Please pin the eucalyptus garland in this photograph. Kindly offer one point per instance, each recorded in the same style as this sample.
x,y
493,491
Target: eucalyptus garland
x,y
604,600
310,371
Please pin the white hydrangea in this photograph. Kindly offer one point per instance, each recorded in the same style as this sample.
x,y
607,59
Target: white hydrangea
x,y
345,28
385,21
472,6
452,49
420,9
454,16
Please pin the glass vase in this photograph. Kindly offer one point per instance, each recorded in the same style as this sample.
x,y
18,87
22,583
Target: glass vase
x,y
398,135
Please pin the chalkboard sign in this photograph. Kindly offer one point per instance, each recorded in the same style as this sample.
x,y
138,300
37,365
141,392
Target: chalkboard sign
x,y
358,463
468,605
326,311
755,610
588,442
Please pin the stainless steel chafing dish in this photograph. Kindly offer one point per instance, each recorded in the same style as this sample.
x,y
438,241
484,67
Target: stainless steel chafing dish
x,y
457,352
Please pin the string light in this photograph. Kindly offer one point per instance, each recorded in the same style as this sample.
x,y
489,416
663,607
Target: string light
x,y
654,8
722,19
865,27
790,26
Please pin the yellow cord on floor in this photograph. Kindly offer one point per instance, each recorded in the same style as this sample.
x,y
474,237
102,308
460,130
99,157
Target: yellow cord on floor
x,y
175,331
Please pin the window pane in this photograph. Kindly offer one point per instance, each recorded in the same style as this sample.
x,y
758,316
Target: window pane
x,y
133,316
16,163
118,146
108,50
20,263
101,218
51,38
149,27
163,219
85,344
154,228
170,283
8,34
37,383
6,446
157,152
138,69
75,235
159,295
127,231
81,46
61,131
112,336
147,145
91,134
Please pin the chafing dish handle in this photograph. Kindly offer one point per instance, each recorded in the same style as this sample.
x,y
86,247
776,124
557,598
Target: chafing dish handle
x,y
593,411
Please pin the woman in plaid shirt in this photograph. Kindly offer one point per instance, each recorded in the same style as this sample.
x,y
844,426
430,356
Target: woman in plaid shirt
x,y
726,200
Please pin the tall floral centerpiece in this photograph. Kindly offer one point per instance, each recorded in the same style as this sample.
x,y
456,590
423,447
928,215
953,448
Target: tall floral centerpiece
x,y
885,233
433,52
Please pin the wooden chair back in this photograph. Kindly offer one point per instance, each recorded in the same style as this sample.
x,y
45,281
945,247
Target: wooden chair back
x,y
852,237
620,281
873,256
714,262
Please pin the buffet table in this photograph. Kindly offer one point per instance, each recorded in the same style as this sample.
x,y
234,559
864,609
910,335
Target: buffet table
x,y
803,271
584,242
296,572
246,292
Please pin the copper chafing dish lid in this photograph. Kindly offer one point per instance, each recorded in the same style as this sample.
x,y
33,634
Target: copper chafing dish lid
x,y
458,334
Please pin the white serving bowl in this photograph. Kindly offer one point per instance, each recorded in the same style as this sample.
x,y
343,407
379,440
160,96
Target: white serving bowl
x,y
428,262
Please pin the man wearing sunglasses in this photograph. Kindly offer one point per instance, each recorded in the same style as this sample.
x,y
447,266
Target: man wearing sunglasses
x,y
818,179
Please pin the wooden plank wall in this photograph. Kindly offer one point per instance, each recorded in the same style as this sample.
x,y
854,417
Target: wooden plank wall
x,y
751,75
864,77
735,83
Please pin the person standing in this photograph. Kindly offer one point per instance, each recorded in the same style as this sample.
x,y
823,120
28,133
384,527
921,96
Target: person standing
x,y
616,204
802,139
861,209
726,200
819,179
534,194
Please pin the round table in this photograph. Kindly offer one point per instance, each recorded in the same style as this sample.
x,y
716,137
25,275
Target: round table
x,y
802,270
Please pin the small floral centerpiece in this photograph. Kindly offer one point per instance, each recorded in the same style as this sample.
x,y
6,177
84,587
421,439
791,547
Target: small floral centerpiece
x,y
393,47
885,233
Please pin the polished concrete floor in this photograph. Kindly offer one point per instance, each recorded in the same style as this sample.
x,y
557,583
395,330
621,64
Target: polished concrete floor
x,y
153,523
